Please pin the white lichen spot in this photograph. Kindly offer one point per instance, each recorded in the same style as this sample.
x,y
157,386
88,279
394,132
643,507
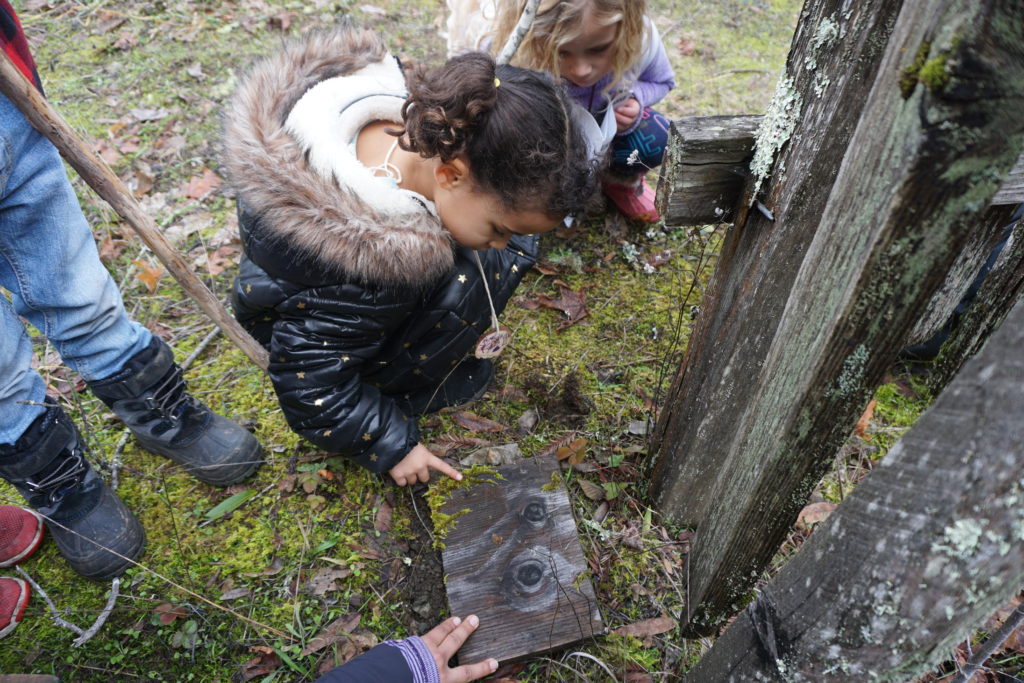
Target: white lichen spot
x,y
1018,529
824,35
776,128
851,375
960,539
821,84
950,613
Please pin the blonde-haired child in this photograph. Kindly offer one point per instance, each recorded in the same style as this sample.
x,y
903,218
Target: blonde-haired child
x,y
609,56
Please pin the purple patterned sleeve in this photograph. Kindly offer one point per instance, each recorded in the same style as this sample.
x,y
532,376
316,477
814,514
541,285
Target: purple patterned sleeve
x,y
417,656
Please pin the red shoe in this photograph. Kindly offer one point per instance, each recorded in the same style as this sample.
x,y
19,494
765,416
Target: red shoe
x,y
20,533
635,199
14,595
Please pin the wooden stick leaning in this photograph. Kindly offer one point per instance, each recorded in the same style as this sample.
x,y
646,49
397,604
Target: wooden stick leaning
x,y
94,171
508,51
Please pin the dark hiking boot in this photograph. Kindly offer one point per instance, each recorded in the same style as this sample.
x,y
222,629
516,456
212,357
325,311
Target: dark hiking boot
x,y
466,383
94,531
149,395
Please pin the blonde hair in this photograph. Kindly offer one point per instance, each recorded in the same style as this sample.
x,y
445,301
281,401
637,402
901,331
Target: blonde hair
x,y
559,21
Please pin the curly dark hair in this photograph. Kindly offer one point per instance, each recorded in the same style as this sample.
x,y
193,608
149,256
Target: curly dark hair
x,y
516,133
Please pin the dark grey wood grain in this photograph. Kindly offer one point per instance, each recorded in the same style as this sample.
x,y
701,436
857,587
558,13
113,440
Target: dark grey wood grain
x,y
925,548
925,160
515,561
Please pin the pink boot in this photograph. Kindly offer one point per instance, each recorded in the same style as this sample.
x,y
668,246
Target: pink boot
x,y
633,197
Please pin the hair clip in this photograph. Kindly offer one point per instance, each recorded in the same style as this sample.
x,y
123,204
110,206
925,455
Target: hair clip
x,y
497,82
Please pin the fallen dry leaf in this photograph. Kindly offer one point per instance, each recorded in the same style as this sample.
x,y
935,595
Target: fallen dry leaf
x,y
149,274
815,513
571,302
142,179
221,258
446,443
382,522
591,490
334,632
325,580
575,452
200,186
647,627
107,152
168,612
110,248
475,423
259,666
861,429
687,47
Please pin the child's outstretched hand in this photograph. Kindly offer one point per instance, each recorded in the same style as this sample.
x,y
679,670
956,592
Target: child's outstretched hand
x,y
445,639
416,466
626,113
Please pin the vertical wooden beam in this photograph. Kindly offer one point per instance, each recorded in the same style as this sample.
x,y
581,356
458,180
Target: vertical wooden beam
x,y
926,547
939,131
836,51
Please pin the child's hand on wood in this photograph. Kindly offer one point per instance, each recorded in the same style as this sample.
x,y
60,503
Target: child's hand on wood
x,y
445,639
416,466
626,113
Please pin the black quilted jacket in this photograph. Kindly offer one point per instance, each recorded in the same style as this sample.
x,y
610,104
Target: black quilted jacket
x,y
353,286
345,357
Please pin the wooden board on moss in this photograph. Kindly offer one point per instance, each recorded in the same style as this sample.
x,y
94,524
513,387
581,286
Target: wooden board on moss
x,y
512,556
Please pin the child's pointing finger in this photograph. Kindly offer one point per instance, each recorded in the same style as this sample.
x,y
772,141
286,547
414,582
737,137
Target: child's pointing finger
x,y
436,463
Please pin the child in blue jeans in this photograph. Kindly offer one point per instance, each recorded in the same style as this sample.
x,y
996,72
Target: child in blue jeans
x,y
50,266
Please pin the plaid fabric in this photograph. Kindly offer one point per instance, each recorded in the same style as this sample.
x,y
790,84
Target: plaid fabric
x,y
12,40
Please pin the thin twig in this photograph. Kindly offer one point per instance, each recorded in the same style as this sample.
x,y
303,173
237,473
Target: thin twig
x,y
115,459
525,22
988,648
115,589
53,608
199,349
183,589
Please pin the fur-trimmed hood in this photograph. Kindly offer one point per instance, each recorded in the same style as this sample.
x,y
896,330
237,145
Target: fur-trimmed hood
x,y
302,194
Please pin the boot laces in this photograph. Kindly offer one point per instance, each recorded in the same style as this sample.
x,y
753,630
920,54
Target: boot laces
x,y
172,397
69,472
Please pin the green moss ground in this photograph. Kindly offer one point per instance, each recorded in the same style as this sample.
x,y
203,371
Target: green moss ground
x,y
594,380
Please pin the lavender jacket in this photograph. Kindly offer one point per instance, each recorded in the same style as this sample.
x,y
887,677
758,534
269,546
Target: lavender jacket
x,y
648,81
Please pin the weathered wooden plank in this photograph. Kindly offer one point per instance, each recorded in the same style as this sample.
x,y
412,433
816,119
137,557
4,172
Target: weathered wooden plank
x,y
708,158
926,547
968,265
1002,289
817,105
515,560
705,164
909,191
1012,190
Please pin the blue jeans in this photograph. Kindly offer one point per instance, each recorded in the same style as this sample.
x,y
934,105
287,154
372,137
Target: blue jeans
x,y
50,267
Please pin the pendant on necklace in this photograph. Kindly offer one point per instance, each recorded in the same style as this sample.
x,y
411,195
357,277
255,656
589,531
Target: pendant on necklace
x,y
493,343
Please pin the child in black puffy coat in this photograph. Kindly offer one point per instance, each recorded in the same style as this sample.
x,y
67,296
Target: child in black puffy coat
x,y
373,212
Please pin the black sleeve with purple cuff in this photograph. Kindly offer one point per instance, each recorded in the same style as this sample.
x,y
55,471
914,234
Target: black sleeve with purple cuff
x,y
393,661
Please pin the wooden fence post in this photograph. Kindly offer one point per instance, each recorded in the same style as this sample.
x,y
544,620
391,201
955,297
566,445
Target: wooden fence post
x,y
925,548
939,131
1003,287
836,51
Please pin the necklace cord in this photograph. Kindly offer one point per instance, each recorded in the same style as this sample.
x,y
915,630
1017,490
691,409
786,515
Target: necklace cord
x,y
487,289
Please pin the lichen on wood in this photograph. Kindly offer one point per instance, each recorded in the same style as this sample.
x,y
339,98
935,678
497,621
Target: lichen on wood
x,y
776,128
